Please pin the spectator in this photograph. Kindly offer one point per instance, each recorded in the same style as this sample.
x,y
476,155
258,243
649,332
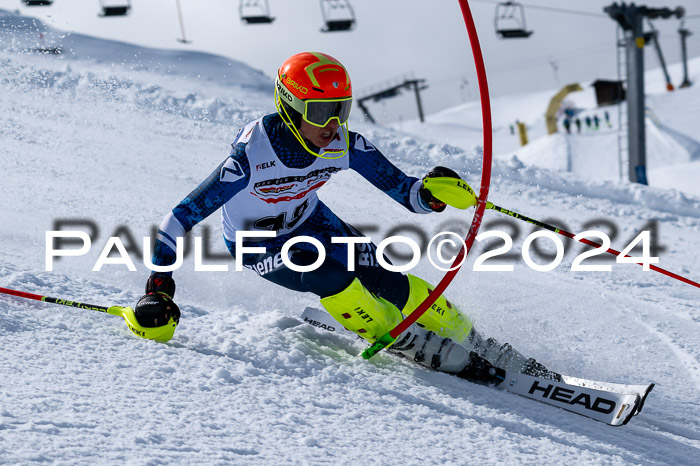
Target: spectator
x,y
607,119
567,125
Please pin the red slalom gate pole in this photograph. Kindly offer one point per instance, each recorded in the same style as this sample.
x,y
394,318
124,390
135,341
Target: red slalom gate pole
x,y
584,241
391,336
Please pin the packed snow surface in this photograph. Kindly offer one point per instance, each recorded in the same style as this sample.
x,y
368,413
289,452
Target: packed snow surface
x,y
106,138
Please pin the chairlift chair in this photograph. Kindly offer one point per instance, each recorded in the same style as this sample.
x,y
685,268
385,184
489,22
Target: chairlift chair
x,y
255,12
510,21
337,15
38,2
120,9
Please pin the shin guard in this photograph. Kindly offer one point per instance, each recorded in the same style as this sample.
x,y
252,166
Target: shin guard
x,y
442,317
359,311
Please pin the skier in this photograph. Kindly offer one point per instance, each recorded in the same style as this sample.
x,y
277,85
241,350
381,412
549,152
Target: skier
x,y
268,183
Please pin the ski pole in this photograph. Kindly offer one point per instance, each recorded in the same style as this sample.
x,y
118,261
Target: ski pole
x,y
64,302
163,333
518,216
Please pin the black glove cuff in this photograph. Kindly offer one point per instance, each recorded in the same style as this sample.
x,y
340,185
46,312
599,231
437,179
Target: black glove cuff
x,y
161,283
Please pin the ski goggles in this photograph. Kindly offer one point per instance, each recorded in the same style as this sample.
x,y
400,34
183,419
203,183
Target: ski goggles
x,y
321,112
316,112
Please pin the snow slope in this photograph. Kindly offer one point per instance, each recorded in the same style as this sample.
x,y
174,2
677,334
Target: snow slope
x,y
88,137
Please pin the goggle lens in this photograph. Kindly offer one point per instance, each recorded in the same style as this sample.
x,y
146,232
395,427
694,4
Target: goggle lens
x,y
320,112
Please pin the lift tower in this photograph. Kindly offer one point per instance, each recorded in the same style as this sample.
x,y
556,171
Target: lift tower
x,y
630,17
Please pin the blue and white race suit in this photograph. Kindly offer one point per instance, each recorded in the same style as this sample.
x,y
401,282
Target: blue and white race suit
x,y
270,183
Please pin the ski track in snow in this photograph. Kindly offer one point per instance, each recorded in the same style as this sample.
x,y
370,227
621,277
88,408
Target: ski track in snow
x,y
244,381
690,362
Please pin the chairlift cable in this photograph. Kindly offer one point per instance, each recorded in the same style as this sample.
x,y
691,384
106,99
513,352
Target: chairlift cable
x,y
562,10
546,8
543,60
538,61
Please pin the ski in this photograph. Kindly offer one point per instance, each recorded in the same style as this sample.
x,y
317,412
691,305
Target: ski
x,y
612,408
612,403
322,320
640,389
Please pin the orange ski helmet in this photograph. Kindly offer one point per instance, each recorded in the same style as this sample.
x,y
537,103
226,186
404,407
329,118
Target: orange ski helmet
x,y
314,75
314,87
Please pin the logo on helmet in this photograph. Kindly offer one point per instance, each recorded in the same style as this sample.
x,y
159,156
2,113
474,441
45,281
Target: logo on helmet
x,y
336,84
296,86
283,92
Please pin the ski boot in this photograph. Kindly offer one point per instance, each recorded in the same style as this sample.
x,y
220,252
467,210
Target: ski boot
x,y
481,371
370,316
446,320
430,349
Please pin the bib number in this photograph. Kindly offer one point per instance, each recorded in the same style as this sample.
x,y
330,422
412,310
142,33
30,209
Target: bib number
x,y
280,222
